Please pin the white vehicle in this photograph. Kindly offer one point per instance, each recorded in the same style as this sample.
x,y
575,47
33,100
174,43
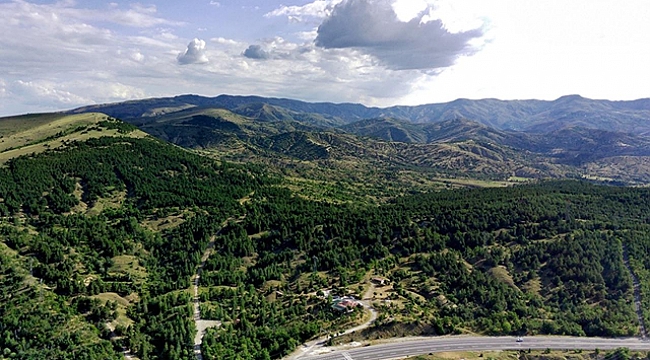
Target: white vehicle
x,y
520,339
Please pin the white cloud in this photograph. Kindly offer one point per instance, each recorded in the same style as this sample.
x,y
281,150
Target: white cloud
x,y
119,92
318,9
215,3
458,16
46,95
55,55
136,18
549,49
256,52
194,54
374,27
407,10
307,35
305,72
224,41
150,9
137,15
46,92
137,56
53,59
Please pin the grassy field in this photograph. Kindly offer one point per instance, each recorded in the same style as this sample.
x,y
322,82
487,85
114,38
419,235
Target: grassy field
x,y
128,264
17,124
21,131
29,134
122,304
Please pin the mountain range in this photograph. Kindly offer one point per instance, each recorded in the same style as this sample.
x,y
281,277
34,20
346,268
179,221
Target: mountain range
x,y
519,115
571,136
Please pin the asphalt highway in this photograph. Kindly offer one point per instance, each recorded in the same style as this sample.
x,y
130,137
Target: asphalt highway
x,y
420,346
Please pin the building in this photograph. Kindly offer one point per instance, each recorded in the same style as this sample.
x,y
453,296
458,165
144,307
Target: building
x,y
345,304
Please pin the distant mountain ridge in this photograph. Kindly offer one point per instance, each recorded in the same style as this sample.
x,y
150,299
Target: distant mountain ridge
x,y
522,115
568,137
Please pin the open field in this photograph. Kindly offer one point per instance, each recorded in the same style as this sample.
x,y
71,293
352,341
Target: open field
x,y
29,134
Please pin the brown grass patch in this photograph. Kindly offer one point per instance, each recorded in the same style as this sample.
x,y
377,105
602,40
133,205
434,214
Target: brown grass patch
x,y
501,273
128,264
167,222
533,286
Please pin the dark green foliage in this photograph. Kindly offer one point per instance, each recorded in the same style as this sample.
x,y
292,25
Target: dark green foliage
x,y
153,175
163,327
35,324
582,267
72,254
439,250
257,328
120,126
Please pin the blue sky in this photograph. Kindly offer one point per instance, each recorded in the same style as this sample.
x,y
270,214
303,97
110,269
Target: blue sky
x,y
58,55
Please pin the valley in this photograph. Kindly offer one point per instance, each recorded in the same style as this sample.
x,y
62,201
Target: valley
x,y
571,137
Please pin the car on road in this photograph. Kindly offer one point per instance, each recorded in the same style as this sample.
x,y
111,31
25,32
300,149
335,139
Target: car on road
x,y
520,339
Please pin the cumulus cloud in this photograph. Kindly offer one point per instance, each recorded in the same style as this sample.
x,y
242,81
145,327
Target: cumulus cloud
x,y
277,48
373,27
256,52
194,54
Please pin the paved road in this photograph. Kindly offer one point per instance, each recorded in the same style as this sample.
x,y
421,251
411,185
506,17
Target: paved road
x,y
420,346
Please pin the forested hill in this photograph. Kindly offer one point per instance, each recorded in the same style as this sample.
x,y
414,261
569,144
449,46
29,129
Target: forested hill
x,y
100,238
92,230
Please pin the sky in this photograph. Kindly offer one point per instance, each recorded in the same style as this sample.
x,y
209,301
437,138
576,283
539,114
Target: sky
x,y
57,55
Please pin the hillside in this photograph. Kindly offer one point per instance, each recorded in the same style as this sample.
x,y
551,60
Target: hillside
x,y
446,131
568,137
388,129
309,152
113,228
574,145
80,244
36,133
